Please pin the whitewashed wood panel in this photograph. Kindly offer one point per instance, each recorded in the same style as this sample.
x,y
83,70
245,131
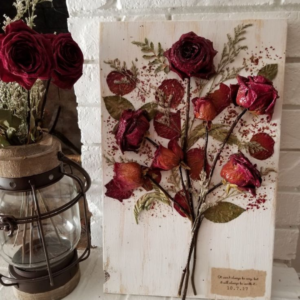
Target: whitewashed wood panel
x,y
147,259
288,209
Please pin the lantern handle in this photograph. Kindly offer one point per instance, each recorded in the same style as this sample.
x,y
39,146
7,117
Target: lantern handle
x,y
70,162
7,278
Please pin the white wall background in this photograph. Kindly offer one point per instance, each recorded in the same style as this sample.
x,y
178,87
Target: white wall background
x,y
85,16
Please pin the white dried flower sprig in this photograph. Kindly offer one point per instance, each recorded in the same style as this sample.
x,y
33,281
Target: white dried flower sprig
x,y
23,7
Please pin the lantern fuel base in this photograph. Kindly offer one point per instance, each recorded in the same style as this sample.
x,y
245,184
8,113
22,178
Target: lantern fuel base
x,y
40,223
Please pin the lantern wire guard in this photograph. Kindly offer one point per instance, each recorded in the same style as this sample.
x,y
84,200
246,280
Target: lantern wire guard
x,y
56,274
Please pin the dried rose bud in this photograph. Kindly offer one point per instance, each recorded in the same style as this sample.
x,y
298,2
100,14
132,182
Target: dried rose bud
x,y
204,109
191,56
154,174
121,83
241,172
127,177
208,107
167,158
256,93
131,130
265,142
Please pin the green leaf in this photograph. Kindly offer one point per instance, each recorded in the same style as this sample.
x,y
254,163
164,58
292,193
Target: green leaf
x,y
167,69
115,105
159,68
269,71
199,132
146,49
220,134
138,44
151,109
149,56
223,212
8,116
147,200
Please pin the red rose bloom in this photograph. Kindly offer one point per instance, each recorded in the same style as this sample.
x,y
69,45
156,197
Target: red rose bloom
x,y
241,172
25,55
127,177
131,130
207,108
256,93
191,56
167,158
68,60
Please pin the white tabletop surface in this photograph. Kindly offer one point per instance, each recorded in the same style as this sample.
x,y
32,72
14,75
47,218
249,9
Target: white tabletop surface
x,y
286,285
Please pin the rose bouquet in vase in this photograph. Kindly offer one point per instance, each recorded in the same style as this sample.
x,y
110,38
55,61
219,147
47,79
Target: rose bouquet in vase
x,y
29,62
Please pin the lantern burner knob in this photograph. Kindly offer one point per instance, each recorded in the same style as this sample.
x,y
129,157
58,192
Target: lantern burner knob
x,y
8,224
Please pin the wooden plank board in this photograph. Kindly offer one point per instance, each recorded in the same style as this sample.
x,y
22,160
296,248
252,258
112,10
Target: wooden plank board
x,y
147,259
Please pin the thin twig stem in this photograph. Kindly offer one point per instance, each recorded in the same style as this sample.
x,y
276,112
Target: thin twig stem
x,y
224,143
44,101
167,194
152,142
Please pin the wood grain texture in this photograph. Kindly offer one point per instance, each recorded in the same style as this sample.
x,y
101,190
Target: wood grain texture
x,y
147,259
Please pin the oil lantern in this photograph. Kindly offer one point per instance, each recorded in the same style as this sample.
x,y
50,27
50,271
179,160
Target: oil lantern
x,y
40,224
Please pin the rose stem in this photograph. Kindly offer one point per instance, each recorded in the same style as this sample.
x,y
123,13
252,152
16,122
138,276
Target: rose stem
x,y
167,194
197,222
44,100
199,204
197,229
28,116
224,143
184,147
152,142
187,196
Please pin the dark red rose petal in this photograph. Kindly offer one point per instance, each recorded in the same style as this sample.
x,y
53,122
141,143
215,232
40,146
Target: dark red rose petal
x,y
220,98
168,126
155,174
120,84
170,93
195,161
113,190
265,141
181,202
173,145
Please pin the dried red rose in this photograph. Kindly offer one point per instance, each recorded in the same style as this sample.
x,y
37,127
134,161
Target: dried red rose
x,y
127,177
68,60
119,83
167,158
191,56
195,161
241,172
181,204
204,109
207,108
256,93
168,126
264,141
25,55
170,93
131,130
154,174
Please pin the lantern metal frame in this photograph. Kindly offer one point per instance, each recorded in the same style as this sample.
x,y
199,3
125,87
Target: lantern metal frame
x,y
30,185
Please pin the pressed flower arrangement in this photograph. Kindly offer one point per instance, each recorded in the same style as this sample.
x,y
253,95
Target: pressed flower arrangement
x,y
29,62
188,128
